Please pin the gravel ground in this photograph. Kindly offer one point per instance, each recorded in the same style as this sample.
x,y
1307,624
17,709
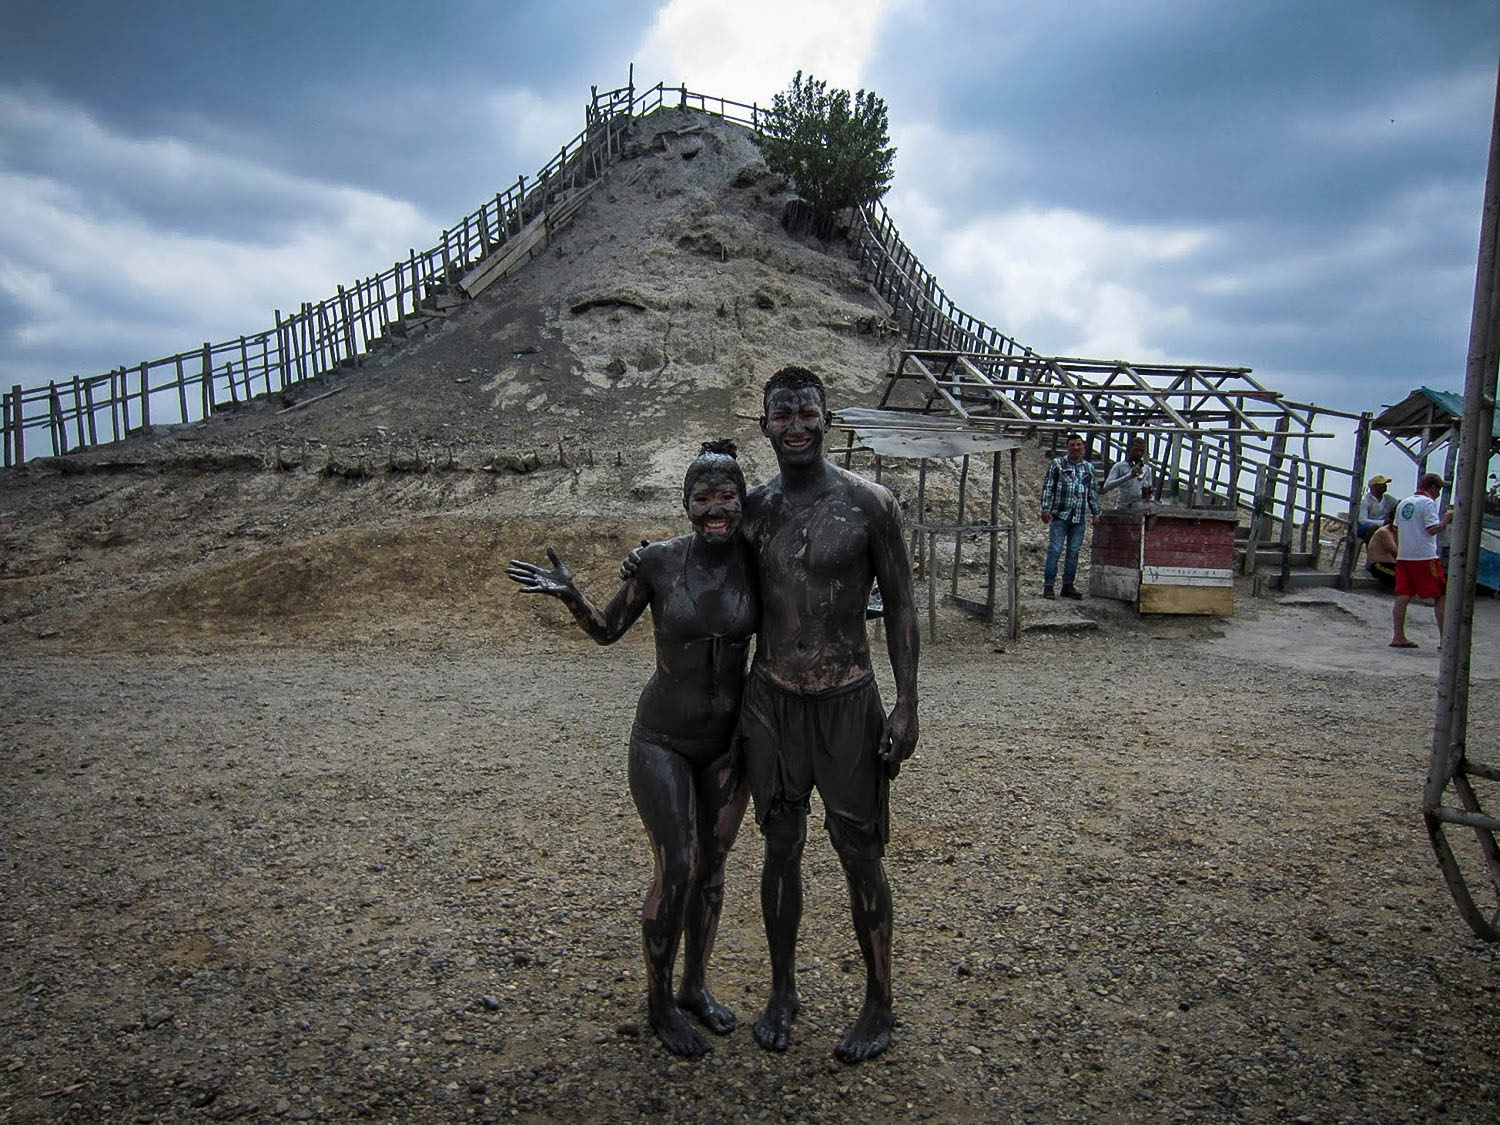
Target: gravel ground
x,y
1140,873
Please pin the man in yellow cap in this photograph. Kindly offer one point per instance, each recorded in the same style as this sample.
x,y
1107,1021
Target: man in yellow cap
x,y
1375,508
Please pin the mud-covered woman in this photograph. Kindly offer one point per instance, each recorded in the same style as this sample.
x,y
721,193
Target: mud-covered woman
x,y
684,777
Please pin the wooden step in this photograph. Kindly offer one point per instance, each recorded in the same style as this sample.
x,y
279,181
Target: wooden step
x,y
1267,557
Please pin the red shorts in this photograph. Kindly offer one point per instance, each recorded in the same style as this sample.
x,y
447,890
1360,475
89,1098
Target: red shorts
x,y
1420,578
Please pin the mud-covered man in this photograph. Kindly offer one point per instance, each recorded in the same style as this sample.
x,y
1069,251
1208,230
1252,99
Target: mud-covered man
x,y
812,715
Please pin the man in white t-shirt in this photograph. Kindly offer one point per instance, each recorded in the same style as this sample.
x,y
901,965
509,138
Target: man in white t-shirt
x,y
1419,574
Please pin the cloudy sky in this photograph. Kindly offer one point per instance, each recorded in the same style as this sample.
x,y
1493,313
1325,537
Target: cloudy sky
x,y
1293,187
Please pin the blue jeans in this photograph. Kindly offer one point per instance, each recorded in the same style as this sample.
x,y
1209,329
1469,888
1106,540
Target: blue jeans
x,y
1060,531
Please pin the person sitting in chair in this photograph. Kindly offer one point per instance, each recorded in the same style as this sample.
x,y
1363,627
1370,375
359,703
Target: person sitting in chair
x,y
1375,508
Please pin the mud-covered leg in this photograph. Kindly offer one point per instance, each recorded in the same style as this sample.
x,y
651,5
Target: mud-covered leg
x,y
661,783
870,904
721,799
781,905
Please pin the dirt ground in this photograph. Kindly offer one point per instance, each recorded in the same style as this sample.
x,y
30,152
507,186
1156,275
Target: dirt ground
x,y
1142,872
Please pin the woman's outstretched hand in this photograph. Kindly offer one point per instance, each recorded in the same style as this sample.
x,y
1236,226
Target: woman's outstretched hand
x,y
558,582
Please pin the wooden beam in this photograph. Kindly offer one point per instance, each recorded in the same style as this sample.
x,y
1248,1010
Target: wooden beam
x,y
507,257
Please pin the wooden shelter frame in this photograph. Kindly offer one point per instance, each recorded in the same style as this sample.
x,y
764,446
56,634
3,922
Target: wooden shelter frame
x,y
1218,438
890,433
1426,421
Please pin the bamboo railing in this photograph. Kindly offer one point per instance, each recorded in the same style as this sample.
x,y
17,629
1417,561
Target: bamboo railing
x,y
318,337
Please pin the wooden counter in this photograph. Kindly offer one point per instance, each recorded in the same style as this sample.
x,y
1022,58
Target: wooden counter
x,y
1166,559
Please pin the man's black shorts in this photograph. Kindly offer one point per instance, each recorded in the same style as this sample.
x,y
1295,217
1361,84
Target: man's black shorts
x,y
792,742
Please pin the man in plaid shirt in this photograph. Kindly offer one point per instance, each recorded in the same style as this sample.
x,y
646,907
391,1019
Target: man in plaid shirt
x,y
1069,496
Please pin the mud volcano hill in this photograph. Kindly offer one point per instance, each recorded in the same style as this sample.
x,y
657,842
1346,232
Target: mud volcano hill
x,y
561,405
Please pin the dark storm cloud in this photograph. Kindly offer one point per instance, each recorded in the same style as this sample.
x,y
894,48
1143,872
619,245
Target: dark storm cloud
x,y
1320,168
375,94
173,171
1208,111
1290,187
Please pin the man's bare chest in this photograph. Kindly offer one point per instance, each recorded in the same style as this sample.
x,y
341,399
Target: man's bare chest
x,y
819,543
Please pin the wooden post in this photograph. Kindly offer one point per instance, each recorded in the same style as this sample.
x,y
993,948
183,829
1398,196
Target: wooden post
x,y
181,389
55,418
119,423
380,311
245,366
308,351
1195,454
78,413
295,337
366,316
1260,506
958,538
1288,524
18,424
321,350
1174,461
916,536
88,406
208,380
1013,551
1450,463
234,397
1450,730
350,351
5,415
1450,734
1278,453
281,350
1317,516
989,593
145,398
931,575
1234,472
416,288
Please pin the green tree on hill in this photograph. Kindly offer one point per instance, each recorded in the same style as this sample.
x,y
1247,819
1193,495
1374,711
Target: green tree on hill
x,y
835,147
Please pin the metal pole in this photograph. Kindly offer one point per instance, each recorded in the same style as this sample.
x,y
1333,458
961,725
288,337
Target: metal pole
x,y
1450,731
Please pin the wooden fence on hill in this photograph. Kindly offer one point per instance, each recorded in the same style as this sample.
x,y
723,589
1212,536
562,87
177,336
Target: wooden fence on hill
x,y
341,330
66,416
338,331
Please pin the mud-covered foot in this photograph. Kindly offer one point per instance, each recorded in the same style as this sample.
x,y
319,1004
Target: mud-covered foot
x,y
711,1014
676,1034
870,1035
773,1030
